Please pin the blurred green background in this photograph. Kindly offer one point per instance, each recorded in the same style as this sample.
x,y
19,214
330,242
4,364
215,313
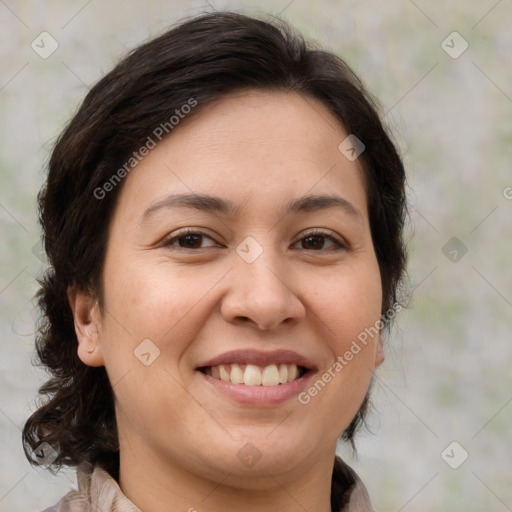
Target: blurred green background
x,y
447,373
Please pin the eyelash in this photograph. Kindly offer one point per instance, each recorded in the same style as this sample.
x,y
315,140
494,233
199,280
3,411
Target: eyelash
x,y
340,246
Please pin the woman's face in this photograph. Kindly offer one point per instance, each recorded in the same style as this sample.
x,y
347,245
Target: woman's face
x,y
266,282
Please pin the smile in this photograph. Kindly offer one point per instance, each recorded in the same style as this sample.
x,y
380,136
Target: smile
x,y
257,378
253,375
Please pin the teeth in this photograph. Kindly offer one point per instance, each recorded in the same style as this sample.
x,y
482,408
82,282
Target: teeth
x,y
224,375
270,375
237,375
252,375
293,372
283,374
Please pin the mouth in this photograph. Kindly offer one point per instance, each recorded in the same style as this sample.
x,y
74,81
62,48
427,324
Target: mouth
x,y
274,374
257,378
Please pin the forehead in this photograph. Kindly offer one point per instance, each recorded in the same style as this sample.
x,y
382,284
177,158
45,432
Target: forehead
x,y
254,148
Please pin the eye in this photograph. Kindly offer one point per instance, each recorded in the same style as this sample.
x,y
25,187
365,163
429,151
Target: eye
x,y
315,240
312,241
187,239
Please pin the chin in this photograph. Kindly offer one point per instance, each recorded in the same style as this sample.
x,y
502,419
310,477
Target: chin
x,y
270,452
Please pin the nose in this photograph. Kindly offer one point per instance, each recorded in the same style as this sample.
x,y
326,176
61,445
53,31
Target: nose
x,y
262,293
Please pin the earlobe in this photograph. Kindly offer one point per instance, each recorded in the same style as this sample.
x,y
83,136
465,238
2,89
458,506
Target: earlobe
x,y
87,321
379,354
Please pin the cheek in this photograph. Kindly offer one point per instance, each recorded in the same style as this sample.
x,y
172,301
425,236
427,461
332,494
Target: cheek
x,y
149,324
349,303
349,307
156,302
149,299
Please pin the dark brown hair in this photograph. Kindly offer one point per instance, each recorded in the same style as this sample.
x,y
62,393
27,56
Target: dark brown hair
x,y
204,58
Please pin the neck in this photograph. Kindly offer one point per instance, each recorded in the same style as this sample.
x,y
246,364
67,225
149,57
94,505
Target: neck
x,y
154,483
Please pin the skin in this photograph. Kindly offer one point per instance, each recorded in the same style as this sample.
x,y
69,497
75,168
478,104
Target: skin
x,y
179,439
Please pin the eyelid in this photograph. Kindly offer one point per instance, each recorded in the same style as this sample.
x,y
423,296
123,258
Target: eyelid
x,y
167,242
338,241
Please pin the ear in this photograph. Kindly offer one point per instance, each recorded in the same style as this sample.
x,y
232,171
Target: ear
x,y
87,319
379,354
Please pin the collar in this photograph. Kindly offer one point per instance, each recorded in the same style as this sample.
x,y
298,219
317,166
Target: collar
x,y
98,491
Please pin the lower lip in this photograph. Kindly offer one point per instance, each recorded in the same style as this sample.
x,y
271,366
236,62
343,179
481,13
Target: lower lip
x,y
258,395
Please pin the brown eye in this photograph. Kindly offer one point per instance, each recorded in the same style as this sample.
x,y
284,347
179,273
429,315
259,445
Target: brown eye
x,y
316,242
190,239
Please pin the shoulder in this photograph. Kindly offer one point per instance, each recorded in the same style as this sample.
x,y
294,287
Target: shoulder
x,y
71,502
355,497
96,489
360,499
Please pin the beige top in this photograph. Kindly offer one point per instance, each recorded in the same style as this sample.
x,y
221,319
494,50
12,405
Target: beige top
x,y
98,491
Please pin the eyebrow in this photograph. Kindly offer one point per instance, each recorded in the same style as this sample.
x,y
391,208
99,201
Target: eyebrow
x,y
212,204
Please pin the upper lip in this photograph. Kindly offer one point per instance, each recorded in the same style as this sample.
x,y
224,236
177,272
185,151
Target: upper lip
x,y
259,358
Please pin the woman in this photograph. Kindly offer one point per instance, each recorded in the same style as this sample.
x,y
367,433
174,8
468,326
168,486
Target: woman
x,y
223,217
